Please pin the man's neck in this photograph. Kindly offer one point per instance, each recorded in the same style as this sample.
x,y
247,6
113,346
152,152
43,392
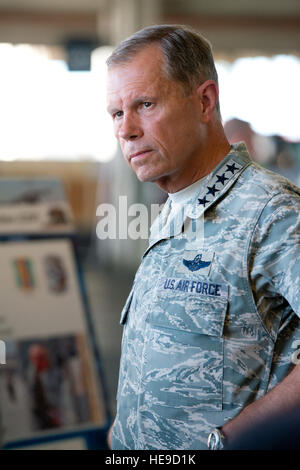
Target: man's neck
x,y
215,152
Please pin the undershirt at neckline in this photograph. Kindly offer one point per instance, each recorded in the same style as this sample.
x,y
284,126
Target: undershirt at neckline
x,y
180,198
185,194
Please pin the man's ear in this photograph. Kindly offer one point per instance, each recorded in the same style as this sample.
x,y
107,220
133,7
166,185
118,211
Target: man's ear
x,y
208,93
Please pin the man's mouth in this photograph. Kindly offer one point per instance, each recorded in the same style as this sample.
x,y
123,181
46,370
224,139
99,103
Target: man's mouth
x,y
137,155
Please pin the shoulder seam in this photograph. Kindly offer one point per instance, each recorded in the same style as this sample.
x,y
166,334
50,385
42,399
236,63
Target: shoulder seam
x,y
270,191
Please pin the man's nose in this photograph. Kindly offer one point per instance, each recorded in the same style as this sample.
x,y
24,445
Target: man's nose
x,y
130,128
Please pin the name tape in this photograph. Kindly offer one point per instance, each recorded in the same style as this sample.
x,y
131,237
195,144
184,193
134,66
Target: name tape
x,y
191,286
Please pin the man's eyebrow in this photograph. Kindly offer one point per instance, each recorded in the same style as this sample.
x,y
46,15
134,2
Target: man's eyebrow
x,y
141,99
112,109
134,102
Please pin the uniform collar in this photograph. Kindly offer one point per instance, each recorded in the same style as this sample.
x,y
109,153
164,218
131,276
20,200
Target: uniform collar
x,y
214,186
220,180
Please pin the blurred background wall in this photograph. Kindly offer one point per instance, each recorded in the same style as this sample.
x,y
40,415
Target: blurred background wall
x,y
53,119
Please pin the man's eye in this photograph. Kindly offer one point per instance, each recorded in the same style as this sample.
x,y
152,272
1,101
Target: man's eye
x,y
147,104
118,114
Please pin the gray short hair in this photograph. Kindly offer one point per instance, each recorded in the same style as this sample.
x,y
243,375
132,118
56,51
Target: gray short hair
x,y
187,54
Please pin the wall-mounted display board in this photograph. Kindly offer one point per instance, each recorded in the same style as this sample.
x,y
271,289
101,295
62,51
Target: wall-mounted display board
x,y
34,206
51,387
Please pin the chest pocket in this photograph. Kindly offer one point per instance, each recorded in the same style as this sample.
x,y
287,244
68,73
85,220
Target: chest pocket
x,y
192,305
185,356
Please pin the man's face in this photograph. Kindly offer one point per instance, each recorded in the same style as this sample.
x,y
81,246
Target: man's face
x,y
155,122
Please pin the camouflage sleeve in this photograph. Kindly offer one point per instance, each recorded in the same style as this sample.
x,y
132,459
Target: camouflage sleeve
x,y
274,255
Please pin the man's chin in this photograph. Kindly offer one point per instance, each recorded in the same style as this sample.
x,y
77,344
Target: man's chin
x,y
144,177
160,179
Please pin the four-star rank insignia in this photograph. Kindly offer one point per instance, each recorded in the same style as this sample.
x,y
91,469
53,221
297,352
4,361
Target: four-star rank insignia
x,y
218,182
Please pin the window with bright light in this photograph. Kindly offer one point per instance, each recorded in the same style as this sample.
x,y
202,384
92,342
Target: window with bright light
x,y
48,112
264,92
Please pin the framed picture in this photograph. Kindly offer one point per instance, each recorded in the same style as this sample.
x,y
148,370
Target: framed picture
x,y
31,206
51,385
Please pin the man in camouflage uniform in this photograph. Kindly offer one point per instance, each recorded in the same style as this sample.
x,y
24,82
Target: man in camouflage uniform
x,y
211,323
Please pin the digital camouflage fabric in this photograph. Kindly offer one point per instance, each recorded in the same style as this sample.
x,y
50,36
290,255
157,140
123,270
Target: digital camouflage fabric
x,y
211,323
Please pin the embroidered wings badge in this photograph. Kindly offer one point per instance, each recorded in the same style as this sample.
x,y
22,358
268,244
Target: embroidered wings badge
x,y
196,263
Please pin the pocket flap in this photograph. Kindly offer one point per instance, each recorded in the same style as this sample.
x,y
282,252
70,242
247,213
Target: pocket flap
x,y
201,312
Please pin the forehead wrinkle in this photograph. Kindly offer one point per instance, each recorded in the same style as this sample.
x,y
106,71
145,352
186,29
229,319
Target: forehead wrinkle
x,y
130,81
135,91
